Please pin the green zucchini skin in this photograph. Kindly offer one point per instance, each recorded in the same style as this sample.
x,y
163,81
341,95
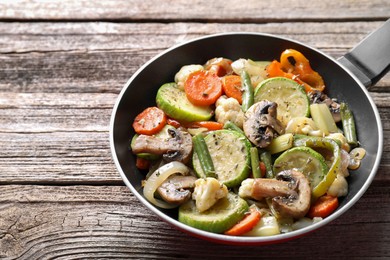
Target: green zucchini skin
x,y
173,101
219,218
306,160
230,153
291,97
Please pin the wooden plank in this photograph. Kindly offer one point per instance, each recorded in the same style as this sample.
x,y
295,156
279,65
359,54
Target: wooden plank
x,y
84,112
227,10
77,158
47,222
103,36
55,112
55,57
63,138
57,157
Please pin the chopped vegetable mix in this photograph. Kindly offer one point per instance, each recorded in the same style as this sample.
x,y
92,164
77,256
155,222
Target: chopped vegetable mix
x,y
243,147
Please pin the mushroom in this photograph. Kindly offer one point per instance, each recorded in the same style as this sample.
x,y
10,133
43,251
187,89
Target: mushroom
x,y
290,192
266,188
334,107
176,188
178,147
260,123
297,203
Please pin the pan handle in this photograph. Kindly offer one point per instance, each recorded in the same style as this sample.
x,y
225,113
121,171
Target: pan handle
x,y
370,59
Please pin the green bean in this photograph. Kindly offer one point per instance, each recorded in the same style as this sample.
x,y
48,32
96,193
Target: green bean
x,y
348,123
255,163
202,151
247,91
232,126
265,157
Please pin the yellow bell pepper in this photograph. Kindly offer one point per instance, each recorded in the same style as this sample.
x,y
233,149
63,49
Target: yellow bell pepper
x,y
323,143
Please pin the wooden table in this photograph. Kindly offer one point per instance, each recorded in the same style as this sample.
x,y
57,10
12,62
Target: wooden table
x,y
62,65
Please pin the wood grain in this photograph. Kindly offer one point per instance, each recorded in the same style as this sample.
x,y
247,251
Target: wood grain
x,y
59,58
63,138
202,10
108,221
57,96
62,66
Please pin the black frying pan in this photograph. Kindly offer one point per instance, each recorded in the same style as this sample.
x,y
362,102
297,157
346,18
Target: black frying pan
x,y
345,80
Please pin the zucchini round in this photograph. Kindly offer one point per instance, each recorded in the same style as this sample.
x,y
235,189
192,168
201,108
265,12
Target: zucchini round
x,y
230,154
291,97
219,218
306,160
174,103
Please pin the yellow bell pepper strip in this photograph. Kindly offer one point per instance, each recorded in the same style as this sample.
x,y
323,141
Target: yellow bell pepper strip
x,y
300,71
323,143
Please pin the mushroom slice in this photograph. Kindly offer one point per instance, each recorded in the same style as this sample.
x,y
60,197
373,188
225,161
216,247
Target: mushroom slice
x,y
296,204
265,188
178,147
334,107
260,123
290,192
176,188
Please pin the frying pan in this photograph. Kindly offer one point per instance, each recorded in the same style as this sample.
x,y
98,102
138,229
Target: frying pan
x,y
345,79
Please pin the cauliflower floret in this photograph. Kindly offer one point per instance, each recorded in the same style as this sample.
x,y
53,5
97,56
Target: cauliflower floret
x,y
303,125
246,188
228,109
207,192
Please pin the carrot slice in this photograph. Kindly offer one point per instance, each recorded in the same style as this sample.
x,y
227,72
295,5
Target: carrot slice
x,y
150,121
246,224
142,163
231,85
323,207
210,125
173,122
203,88
263,169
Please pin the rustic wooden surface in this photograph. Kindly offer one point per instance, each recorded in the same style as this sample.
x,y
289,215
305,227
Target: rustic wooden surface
x,y
62,65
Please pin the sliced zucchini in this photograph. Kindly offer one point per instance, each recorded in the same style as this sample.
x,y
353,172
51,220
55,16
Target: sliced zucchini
x,y
174,103
219,218
306,160
230,154
291,97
